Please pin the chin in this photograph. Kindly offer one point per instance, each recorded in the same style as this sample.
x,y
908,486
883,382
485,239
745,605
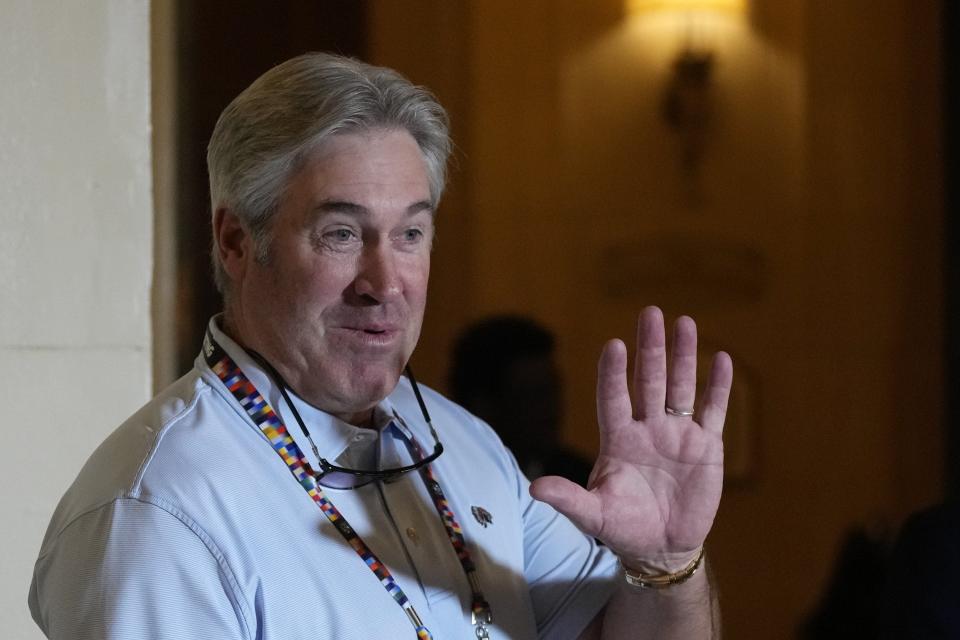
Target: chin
x,y
370,387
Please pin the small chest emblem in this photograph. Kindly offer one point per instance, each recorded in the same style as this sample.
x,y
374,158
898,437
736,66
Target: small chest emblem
x,y
482,516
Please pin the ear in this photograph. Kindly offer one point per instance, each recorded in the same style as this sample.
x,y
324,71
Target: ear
x,y
234,245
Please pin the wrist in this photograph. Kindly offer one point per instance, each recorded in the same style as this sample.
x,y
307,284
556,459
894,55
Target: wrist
x,y
661,562
656,577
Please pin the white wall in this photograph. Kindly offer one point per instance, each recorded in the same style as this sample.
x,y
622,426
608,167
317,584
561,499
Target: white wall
x,y
75,256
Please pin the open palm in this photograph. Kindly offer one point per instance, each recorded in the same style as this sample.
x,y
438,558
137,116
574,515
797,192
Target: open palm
x,y
655,487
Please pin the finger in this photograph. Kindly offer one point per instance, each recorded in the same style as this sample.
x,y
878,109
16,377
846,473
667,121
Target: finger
x,y
613,397
682,381
713,405
580,506
650,369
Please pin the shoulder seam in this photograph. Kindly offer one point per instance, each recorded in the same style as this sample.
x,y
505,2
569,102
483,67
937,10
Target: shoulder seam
x,y
196,530
148,456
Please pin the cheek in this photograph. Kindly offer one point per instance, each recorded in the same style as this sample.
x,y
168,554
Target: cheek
x,y
417,300
418,279
416,295
321,284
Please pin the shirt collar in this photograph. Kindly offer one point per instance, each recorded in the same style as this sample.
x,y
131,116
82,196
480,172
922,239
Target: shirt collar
x,y
332,435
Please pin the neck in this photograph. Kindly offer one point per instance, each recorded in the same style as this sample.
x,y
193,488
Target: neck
x,y
229,326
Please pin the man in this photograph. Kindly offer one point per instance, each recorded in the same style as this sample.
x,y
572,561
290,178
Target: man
x,y
292,485
503,372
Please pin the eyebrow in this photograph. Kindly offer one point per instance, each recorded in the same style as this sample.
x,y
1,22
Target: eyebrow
x,y
352,208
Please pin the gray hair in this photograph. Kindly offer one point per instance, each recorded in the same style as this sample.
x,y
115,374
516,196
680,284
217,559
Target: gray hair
x,y
264,136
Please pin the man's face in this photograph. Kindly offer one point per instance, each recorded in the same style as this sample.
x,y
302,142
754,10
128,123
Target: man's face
x,y
337,307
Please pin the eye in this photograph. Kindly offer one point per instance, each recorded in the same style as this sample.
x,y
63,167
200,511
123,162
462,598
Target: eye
x,y
339,236
413,235
413,238
335,238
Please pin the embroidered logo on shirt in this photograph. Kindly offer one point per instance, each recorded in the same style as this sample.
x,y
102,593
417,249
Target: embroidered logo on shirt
x,y
482,515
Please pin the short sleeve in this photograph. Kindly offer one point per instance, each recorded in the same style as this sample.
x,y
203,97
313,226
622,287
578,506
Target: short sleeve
x,y
133,570
571,577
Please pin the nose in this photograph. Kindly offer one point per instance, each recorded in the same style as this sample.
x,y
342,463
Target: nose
x,y
378,277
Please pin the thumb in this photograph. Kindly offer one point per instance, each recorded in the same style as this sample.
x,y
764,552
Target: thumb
x,y
580,506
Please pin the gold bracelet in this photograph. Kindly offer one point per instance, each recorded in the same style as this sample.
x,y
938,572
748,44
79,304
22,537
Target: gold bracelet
x,y
663,580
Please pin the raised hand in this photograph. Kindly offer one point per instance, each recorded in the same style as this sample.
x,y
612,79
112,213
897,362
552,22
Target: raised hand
x,y
656,484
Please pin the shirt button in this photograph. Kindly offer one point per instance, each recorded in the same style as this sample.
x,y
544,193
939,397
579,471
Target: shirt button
x,y
412,534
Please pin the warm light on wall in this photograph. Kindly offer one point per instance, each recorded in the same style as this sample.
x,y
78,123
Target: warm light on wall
x,y
687,103
651,6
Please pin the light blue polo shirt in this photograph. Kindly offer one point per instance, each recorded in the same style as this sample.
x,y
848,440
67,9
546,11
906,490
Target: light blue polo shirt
x,y
186,524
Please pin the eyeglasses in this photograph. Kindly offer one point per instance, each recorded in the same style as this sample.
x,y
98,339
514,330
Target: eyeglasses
x,y
332,476
335,477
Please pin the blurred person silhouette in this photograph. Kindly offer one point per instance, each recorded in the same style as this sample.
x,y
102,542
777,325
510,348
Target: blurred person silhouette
x,y
923,595
851,604
504,372
900,588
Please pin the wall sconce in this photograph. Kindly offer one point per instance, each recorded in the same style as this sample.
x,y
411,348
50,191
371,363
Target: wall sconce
x,y
686,105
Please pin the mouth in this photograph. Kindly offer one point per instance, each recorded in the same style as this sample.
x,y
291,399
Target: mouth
x,y
372,334
374,329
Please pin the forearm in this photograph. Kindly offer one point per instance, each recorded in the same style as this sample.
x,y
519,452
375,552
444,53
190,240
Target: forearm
x,y
687,611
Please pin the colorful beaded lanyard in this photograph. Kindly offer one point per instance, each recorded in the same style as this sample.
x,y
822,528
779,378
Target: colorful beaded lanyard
x,y
276,433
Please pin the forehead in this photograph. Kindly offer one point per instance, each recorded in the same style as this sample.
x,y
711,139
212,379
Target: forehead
x,y
377,163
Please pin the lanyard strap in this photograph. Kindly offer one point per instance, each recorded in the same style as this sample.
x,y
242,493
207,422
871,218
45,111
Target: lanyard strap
x,y
480,608
284,445
273,428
